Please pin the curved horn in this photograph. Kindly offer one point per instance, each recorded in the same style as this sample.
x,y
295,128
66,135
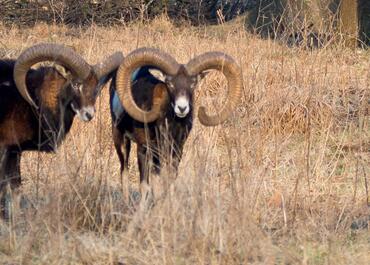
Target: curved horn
x,y
108,65
227,65
136,59
47,52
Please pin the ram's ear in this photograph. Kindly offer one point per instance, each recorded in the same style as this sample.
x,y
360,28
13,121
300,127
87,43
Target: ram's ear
x,y
6,83
203,74
101,84
63,72
158,74
197,78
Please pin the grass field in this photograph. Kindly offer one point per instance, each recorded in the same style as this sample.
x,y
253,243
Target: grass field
x,y
280,182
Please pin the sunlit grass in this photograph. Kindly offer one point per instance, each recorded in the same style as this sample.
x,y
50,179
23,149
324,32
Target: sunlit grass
x,y
279,183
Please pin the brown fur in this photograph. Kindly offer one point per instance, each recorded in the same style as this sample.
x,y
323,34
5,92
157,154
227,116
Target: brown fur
x,y
161,141
160,92
91,81
49,90
139,135
24,128
89,98
15,128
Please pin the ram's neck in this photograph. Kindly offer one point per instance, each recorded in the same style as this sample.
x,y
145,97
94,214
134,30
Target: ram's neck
x,y
54,114
50,90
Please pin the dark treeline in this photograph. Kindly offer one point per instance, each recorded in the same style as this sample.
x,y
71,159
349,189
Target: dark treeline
x,y
105,12
267,17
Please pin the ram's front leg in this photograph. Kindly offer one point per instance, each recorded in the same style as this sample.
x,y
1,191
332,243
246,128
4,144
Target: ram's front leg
x,y
123,147
177,150
3,159
10,179
144,157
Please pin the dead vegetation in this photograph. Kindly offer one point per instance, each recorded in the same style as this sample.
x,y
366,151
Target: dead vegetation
x,y
281,182
310,22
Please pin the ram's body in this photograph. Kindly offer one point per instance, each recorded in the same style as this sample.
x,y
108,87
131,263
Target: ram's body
x,y
37,107
22,127
158,104
157,142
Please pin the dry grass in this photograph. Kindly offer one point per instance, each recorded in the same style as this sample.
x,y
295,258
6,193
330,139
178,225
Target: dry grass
x,y
279,183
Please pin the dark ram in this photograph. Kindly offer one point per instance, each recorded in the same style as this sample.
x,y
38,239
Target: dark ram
x,y
37,107
157,105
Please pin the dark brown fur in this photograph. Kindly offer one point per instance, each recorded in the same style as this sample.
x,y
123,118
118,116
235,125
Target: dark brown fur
x,y
23,127
158,142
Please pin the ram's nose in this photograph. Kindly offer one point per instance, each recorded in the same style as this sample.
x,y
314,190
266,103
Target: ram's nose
x,y
88,116
182,107
87,113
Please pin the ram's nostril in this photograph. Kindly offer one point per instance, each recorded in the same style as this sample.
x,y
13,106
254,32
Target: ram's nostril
x,y
88,116
182,109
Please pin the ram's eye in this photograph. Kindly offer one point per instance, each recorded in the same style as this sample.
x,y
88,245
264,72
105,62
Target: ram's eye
x,y
77,87
170,85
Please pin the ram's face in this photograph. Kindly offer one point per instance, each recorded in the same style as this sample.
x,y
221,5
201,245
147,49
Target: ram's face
x,y
180,88
85,94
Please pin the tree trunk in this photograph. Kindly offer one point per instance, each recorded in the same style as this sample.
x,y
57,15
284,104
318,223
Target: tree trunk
x,y
349,22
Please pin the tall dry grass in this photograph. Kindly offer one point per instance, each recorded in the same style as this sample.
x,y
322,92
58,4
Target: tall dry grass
x,y
280,182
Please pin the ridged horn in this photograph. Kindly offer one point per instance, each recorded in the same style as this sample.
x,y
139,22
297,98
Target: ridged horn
x,y
224,63
47,52
136,59
108,65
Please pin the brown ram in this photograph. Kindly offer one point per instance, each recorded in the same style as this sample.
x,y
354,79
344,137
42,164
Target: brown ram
x,y
37,107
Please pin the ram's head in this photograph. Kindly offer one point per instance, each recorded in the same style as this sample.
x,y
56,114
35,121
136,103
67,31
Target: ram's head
x,y
82,78
180,80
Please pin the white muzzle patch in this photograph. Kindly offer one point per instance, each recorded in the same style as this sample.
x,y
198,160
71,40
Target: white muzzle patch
x,y
181,107
85,113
